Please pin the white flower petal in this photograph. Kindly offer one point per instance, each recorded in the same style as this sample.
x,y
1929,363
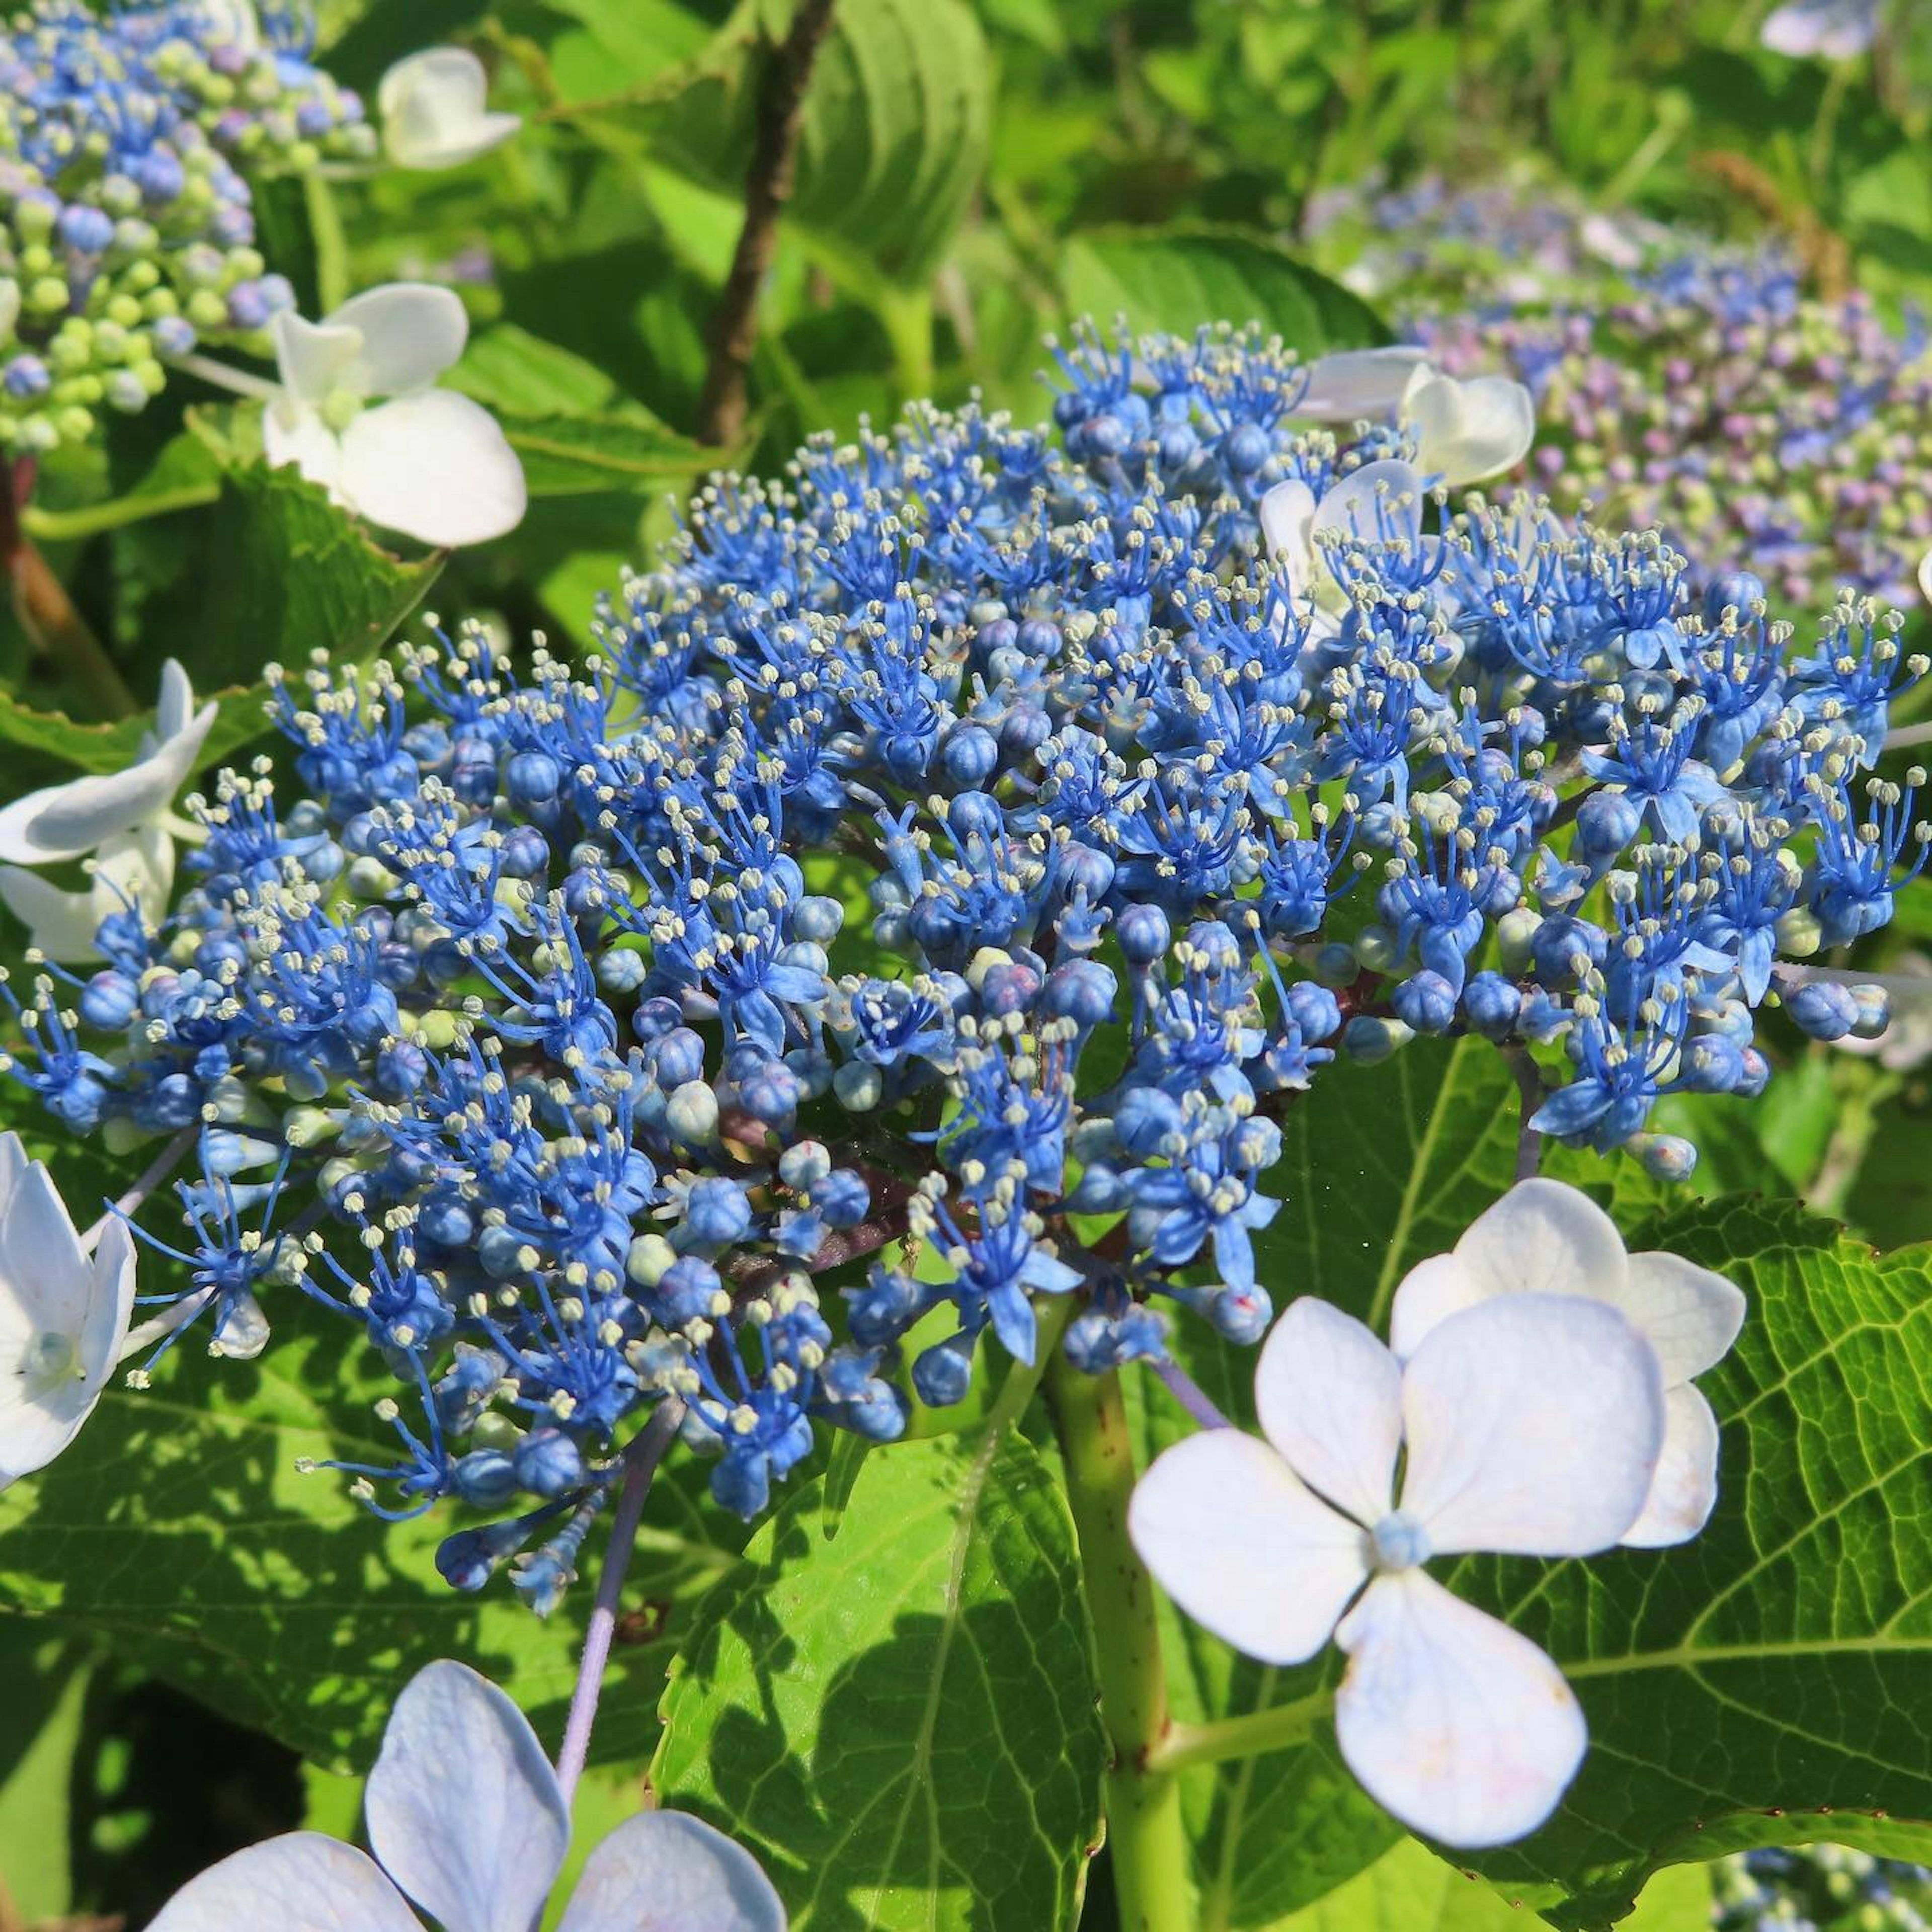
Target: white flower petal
x,y
174,706
1465,431
1837,29
61,923
312,357
42,1268
111,1307
1287,514
12,1168
665,1871
294,433
409,332
436,466
70,819
1381,501
1463,1729
1431,1291
1329,1397
434,110
302,1882
1534,1424
462,1808
1236,1539
1683,1491
1548,1238
1357,383
1925,576
1688,1315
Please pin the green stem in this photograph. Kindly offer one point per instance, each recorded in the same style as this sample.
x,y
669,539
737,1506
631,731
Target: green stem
x,y
1144,1833
331,244
1275,1729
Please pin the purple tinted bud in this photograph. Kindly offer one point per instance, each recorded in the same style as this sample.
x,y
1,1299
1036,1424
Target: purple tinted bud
x,y
1144,935
1824,1009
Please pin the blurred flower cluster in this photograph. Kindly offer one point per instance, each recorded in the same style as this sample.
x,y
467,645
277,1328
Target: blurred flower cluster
x,y
1681,382
128,230
1822,1888
914,922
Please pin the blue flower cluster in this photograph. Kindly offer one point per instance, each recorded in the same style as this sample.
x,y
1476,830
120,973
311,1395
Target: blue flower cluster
x,y
127,224
915,919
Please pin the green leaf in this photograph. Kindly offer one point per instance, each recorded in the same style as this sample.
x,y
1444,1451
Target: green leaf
x,y
239,720
179,1528
290,574
901,1723
566,419
184,474
1177,278
1410,1889
895,136
40,1737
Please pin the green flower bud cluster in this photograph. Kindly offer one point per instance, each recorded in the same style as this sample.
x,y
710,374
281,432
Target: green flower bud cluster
x,y
128,141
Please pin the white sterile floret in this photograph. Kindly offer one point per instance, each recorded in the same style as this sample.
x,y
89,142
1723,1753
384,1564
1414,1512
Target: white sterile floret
x,y
1379,503
1925,576
121,819
1466,431
1546,1238
435,112
64,1315
427,462
466,1819
1834,29
1359,385
1532,1426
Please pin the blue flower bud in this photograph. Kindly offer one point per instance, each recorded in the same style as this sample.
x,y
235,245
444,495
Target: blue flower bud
x,y
486,1478
1426,1002
1823,1009
1492,1004
1143,933
942,1373
549,1464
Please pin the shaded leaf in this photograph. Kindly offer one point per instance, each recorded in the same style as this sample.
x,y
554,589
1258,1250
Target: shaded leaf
x,y
179,1528
1177,278
900,1723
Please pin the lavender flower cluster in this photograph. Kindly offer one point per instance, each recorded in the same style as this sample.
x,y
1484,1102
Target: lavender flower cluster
x,y
1821,1889
915,918
127,221
1691,385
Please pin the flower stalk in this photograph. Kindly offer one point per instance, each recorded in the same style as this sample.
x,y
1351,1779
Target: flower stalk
x,y
1143,1800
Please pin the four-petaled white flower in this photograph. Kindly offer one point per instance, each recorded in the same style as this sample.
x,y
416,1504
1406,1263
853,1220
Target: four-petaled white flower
x,y
427,462
64,1315
1544,1237
1837,29
1530,1426
435,111
466,1819
122,818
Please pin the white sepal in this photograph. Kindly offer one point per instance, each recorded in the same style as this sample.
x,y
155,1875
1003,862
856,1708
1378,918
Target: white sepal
x,y
665,1871
1463,1729
462,1808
